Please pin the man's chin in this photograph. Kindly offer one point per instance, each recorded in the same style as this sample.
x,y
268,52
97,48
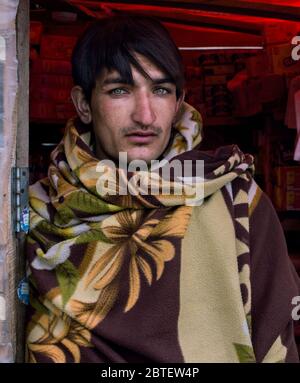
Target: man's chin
x,y
143,155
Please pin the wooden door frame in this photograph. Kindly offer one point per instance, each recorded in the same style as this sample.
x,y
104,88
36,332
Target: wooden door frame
x,y
22,154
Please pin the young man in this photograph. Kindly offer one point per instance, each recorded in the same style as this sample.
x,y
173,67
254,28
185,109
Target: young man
x,y
142,276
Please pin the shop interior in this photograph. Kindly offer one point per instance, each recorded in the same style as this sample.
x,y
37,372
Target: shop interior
x,y
242,66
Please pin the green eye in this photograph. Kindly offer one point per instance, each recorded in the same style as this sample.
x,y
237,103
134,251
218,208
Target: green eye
x,y
161,91
118,91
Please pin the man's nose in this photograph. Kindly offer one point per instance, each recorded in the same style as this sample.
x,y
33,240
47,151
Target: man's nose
x,y
143,112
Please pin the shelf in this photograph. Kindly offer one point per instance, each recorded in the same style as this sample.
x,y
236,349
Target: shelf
x,y
219,121
291,224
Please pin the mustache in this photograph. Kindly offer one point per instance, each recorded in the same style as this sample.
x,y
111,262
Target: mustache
x,y
150,129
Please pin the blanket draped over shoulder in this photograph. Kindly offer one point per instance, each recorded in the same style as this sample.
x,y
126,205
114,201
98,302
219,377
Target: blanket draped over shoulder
x,y
143,277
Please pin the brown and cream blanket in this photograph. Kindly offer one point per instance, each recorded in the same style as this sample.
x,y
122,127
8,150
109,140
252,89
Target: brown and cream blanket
x,y
150,278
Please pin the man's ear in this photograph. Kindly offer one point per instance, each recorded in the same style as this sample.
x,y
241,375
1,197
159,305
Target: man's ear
x,y
82,106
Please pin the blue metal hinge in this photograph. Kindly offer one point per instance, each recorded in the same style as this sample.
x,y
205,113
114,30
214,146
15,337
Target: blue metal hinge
x,y
20,205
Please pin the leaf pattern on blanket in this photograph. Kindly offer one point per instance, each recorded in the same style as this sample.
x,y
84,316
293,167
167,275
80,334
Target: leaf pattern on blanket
x,y
68,276
54,331
245,353
132,239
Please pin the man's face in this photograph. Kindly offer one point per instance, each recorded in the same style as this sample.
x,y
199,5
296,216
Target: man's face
x,y
136,118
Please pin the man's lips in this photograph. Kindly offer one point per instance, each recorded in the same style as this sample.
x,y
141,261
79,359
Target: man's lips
x,y
141,133
140,136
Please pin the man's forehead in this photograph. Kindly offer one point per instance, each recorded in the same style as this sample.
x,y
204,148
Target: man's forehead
x,y
113,76
153,71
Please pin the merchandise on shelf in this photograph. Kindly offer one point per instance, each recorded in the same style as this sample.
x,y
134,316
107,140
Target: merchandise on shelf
x,y
287,177
283,150
51,80
36,30
279,32
219,70
57,47
286,199
256,65
51,111
280,59
215,80
44,94
48,66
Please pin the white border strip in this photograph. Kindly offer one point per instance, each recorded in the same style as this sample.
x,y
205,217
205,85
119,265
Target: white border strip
x,y
218,48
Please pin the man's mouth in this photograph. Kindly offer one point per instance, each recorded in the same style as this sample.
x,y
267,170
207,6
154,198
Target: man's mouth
x,y
141,133
141,136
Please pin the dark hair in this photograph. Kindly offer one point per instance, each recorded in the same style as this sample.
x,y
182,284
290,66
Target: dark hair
x,y
112,42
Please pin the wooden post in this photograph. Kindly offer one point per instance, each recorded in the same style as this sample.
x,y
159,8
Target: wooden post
x,y
14,21
22,151
14,31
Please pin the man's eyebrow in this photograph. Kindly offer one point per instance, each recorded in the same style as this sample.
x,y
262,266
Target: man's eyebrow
x,y
120,80
115,80
162,80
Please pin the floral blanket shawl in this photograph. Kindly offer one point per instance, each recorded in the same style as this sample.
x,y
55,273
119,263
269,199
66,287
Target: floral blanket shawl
x,y
150,278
